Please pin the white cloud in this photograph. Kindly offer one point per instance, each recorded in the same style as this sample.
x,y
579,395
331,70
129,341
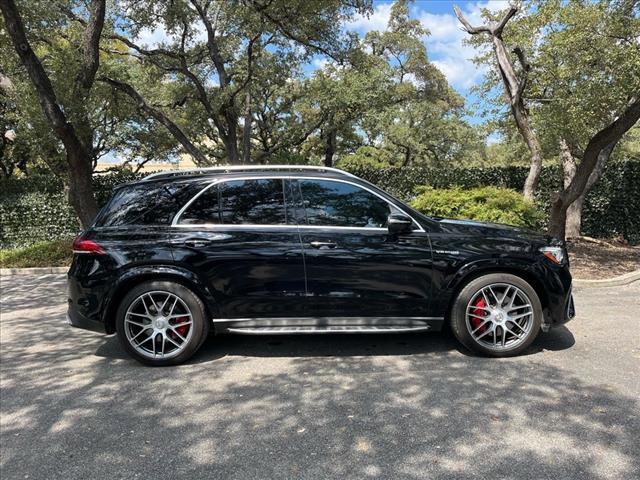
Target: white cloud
x,y
446,45
159,35
376,21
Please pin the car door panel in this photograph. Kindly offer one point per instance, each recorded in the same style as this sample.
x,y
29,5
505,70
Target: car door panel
x,y
367,273
362,270
255,270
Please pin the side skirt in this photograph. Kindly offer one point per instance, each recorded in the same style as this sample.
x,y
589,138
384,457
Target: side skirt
x,y
314,325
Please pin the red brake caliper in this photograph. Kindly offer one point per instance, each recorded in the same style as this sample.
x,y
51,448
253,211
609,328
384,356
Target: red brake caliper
x,y
182,329
475,321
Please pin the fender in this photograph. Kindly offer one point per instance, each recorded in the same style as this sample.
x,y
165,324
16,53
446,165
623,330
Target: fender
x,y
139,273
523,267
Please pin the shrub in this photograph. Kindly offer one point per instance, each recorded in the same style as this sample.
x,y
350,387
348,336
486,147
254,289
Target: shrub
x,y
42,254
489,204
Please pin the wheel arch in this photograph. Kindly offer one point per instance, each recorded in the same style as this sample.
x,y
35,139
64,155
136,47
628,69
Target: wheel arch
x,y
137,275
463,278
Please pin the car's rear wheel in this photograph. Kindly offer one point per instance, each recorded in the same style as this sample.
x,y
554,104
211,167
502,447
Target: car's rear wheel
x,y
161,323
497,315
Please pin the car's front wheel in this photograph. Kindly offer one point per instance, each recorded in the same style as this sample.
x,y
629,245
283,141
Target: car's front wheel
x,y
161,323
497,315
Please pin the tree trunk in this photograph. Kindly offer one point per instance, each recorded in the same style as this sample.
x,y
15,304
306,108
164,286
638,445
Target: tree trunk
x,y
80,192
531,139
330,147
514,88
78,158
574,212
587,173
246,130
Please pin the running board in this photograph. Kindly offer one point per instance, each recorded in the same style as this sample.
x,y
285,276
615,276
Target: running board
x,y
293,330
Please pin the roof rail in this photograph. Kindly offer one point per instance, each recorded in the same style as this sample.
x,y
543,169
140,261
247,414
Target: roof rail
x,y
245,168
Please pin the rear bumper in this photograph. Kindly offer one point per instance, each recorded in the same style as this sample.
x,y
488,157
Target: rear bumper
x,y
76,319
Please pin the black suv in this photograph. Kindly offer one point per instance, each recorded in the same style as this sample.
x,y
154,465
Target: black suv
x,y
288,250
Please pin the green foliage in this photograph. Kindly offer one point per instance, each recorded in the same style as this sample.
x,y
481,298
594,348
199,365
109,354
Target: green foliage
x,y
612,207
55,253
489,204
367,157
34,208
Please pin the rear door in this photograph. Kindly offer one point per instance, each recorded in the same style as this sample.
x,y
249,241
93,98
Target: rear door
x,y
355,268
236,234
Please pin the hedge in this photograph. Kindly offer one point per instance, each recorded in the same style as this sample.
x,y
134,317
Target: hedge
x,y
34,209
487,204
612,207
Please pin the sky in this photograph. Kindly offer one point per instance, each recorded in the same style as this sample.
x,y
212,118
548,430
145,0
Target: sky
x,y
445,46
445,43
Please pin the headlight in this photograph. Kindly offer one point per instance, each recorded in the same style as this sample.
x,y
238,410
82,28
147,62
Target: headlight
x,y
555,254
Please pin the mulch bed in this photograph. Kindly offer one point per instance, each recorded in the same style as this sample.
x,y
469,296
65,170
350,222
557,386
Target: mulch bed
x,y
592,259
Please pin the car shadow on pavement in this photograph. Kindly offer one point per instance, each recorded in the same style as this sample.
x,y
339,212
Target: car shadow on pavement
x,y
334,407
339,345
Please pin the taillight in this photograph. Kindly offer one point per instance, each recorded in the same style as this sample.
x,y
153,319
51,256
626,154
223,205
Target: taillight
x,y
83,245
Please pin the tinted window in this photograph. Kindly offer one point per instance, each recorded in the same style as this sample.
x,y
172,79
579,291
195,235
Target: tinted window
x,y
342,204
204,209
147,203
257,202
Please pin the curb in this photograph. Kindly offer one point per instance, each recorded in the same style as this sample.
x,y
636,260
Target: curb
x,y
625,279
33,271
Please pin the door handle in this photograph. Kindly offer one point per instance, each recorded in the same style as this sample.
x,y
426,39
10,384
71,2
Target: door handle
x,y
321,245
195,242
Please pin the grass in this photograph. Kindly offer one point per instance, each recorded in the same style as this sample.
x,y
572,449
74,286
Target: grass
x,y
56,253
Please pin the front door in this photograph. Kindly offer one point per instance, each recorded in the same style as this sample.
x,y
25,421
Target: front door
x,y
235,233
355,267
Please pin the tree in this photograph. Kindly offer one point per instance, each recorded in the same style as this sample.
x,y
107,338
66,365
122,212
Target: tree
x,y
215,49
70,124
514,88
582,89
390,98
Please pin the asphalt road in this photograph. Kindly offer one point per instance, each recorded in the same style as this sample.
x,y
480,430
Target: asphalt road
x,y
325,407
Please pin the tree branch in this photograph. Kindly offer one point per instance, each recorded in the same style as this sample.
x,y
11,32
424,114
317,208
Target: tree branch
x,y
467,26
212,43
601,141
522,84
91,43
494,29
177,133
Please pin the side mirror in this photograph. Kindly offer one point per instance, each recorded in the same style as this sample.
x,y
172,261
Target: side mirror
x,y
399,223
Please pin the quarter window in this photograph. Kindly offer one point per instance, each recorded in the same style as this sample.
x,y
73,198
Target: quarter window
x,y
342,204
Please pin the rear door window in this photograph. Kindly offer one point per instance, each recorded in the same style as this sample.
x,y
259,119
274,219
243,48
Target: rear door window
x,y
253,202
238,202
204,210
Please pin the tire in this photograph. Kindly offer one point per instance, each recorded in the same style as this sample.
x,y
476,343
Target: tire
x,y
161,323
488,323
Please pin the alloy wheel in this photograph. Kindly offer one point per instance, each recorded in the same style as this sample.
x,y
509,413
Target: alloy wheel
x,y
499,316
158,324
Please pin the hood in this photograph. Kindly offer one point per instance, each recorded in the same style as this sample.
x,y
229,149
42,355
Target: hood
x,y
488,229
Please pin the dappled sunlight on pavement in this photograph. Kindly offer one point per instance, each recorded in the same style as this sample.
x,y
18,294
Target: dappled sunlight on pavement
x,y
352,406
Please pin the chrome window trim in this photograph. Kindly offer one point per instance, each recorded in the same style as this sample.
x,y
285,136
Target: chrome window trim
x,y
217,181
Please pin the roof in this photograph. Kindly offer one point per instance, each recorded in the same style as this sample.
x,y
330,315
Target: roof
x,y
209,171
